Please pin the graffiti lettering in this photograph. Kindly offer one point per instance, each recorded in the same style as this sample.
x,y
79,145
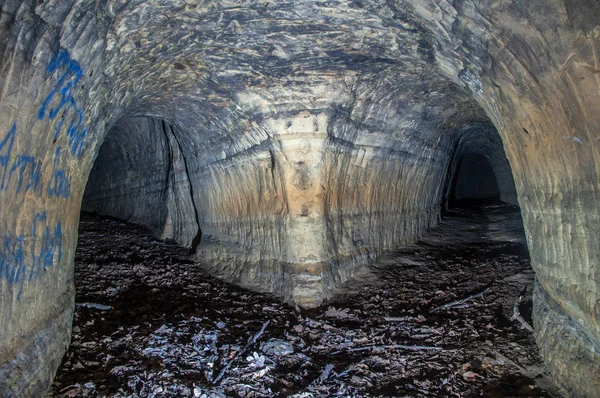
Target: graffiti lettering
x,y
46,244
21,168
12,266
59,184
5,159
46,250
61,99
24,173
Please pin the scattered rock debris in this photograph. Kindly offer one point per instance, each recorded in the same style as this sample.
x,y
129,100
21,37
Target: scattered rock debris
x,y
435,319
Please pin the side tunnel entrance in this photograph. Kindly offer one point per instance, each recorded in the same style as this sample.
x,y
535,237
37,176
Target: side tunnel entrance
x,y
141,176
129,181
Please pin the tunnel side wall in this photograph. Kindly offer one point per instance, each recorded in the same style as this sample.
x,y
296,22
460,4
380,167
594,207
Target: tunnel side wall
x,y
46,151
538,84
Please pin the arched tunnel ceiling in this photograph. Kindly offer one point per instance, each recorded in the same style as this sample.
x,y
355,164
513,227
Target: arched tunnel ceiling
x,y
347,114
218,69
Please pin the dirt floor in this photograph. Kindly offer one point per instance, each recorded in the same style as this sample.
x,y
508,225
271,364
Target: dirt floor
x,y
435,319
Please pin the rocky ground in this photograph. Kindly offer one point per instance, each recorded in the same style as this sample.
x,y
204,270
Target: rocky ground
x,y
435,319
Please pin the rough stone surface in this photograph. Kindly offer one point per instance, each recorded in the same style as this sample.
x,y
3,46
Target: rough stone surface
x,y
277,347
302,139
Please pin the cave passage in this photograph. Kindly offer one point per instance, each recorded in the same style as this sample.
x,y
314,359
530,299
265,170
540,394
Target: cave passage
x,y
434,317
475,181
143,291
141,175
287,148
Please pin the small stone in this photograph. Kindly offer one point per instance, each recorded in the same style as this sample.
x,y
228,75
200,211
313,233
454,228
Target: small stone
x,y
277,347
470,375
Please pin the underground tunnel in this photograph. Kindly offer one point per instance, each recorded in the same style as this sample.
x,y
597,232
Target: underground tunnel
x,y
296,157
475,180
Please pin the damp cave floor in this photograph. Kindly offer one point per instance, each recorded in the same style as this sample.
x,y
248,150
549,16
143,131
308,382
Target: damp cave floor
x,y
149,322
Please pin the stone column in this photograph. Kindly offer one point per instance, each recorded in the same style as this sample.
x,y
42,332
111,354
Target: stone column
x,y
301,159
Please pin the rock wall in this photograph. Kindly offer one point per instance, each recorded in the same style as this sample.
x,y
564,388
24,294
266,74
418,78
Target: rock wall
x,y
296,215
303,138
141,176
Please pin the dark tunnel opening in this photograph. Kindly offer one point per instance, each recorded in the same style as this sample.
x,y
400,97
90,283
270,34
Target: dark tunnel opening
x,y
475,182
141,175
479,173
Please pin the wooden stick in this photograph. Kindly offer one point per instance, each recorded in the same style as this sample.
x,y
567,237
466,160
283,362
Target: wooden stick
x,y
95,306
403,347
399,319
461,301
241,352
517,316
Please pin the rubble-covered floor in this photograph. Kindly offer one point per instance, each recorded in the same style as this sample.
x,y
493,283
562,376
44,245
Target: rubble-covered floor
x,y
431,320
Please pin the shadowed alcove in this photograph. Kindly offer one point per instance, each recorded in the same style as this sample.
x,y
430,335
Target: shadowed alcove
x,y
141,176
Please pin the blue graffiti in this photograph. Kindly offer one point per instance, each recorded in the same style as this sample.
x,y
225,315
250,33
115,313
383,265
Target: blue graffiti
x,y
59,184
63,100
12,265
24,169
49,244
5,160
46,250
26,172
22,163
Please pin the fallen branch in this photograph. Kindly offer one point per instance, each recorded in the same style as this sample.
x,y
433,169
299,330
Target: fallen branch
x,y
69,388
399,319
397,346
517,314
461,301
252,341
95,306
326,372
